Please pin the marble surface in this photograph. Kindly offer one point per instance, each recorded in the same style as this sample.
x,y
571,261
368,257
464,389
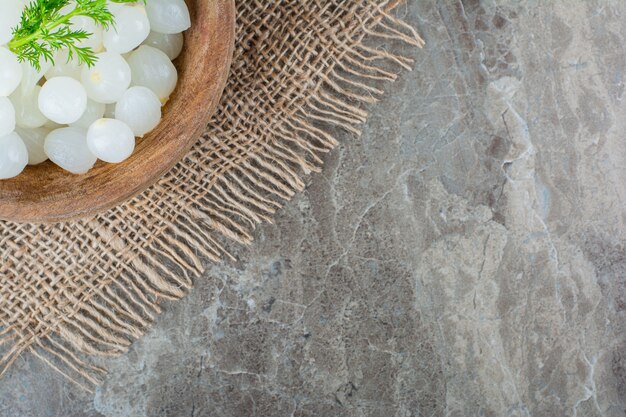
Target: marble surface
x,y
464,257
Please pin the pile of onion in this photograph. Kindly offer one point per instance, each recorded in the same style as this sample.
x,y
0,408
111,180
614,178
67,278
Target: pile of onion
x,y
73,114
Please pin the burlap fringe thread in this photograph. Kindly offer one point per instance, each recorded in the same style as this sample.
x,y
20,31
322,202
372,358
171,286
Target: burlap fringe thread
x,y
107,319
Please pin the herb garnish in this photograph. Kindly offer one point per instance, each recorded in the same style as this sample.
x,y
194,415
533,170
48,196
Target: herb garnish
x,y
44,30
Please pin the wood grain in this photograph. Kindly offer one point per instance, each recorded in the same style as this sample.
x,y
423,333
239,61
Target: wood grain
x,y
45,193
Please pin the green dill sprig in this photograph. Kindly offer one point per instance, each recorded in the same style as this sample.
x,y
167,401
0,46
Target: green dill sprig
x,y
44,29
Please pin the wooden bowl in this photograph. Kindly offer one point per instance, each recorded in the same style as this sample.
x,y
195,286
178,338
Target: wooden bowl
x,y
45,193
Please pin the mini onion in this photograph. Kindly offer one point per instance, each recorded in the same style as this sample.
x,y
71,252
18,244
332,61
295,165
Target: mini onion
x,y
168,16
9,19
26,104
7,116
130,30
170,44
95,41
151,68
140,109
13,156
67,147
11,72
111,140
108,79
62,100
34,140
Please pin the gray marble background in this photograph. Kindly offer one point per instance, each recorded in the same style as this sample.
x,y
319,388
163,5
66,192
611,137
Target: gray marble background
x,y
464,257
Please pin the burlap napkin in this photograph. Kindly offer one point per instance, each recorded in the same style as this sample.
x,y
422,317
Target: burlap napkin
x,y
301,68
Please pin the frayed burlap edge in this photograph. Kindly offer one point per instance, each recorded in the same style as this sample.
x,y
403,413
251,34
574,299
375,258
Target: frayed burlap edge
x,y
106,319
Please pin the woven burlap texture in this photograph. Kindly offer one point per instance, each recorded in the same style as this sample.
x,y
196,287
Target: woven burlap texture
x,y
301,69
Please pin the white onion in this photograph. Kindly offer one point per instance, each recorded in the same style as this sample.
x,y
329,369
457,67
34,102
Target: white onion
x,y
130,30
26,104
140,109
62,100
9,19
111,140
151,68
170,44
13,156
87,24
11,72
108,79
67,147
168,16
34,140
7,116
